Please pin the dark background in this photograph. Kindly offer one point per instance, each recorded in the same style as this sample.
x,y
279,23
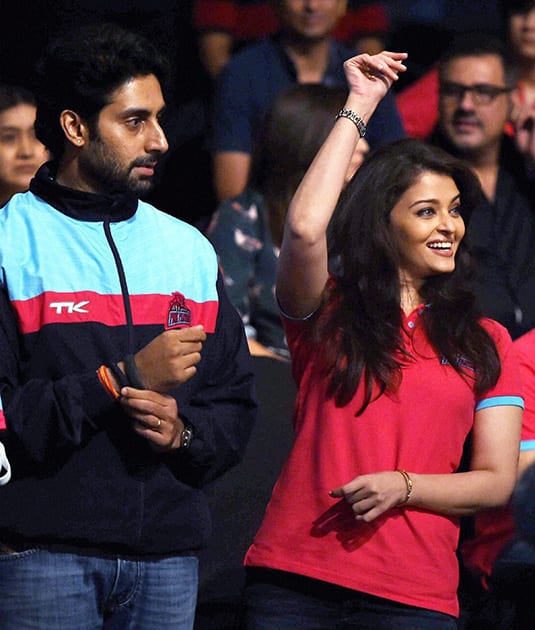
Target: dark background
x,y
184,186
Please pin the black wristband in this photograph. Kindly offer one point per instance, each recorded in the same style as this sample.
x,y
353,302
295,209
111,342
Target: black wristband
x,y
132,374
119,375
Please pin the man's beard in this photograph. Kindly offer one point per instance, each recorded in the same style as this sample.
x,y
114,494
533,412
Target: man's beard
x,y
100,165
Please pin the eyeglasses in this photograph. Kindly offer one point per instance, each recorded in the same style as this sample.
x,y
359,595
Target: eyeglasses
x,y
482,93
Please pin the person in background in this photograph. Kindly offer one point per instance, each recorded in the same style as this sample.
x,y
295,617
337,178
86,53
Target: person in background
x,y
394,367
21,153
303,51
125,381
477,79
521,38
226,26
418,103
513,576
487,606
246,230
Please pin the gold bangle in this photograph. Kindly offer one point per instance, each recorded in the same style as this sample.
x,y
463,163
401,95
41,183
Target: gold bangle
x,y
408,483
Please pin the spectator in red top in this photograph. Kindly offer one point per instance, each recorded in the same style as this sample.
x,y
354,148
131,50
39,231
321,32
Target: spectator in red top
x,y
495,528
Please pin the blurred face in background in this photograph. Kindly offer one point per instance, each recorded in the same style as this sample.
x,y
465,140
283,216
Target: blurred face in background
x,y
21,153
522,32
310,19
475,102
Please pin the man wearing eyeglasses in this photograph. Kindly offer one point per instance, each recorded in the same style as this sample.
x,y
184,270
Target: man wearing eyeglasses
x,y
475,103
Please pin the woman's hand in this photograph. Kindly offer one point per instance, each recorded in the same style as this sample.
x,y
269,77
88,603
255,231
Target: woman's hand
x,y
371,495
373,75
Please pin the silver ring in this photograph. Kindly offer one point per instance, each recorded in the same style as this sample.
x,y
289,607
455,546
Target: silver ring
x,y
159,423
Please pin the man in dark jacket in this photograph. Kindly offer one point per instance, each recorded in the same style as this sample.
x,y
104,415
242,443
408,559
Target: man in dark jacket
x,y
125,380
476,80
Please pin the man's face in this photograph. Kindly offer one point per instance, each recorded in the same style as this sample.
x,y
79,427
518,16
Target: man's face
x,y
310,19
124,152
473,122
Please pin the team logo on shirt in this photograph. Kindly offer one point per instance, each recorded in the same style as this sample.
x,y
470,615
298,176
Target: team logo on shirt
x,y
179,314
460,361
69,307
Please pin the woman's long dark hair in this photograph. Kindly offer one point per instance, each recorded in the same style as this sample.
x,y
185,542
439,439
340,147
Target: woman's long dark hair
x,y
296,126
361,311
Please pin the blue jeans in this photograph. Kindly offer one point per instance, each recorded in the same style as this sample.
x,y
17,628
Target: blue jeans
x,y
45,590
274,600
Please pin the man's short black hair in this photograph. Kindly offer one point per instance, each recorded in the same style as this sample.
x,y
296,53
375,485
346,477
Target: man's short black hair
x,y
479,44
80,70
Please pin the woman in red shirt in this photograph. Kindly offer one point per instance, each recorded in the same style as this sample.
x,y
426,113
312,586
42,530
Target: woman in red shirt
x,y
394,369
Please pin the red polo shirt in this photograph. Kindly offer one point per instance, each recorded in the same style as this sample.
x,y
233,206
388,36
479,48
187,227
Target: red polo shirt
x,y
406,555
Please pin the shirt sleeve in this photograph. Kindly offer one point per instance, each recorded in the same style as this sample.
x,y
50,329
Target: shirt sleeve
x,y
68,409
508,389
232,111
525,347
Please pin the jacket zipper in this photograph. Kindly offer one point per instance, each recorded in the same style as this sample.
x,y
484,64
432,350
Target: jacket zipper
x,y
124,286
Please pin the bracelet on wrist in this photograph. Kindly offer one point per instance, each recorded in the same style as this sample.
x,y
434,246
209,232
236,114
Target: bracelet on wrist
x,y
408,483
119,375
105,381
354,118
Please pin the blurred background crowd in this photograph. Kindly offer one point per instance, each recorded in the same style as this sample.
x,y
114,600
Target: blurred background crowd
x,y
179,27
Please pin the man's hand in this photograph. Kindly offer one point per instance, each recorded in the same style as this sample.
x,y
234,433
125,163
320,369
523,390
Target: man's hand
x,y
170,359
155,417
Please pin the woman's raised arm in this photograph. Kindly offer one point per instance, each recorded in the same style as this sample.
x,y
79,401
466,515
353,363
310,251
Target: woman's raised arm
x,y
302,269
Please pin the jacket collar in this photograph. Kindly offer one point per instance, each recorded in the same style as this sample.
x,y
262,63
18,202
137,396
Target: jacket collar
x,y
81,205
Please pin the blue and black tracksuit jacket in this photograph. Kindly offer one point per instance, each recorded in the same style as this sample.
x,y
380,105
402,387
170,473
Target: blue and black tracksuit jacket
x,y
86,279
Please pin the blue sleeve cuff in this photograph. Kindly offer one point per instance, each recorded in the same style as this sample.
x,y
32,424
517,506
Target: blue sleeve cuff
x,y
500,401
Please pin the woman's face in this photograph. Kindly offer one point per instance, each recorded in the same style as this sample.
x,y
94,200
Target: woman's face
x,y
427,227
522,33
21,153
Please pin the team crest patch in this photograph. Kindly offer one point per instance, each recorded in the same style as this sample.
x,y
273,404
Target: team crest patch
x,y
178,314
460,361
